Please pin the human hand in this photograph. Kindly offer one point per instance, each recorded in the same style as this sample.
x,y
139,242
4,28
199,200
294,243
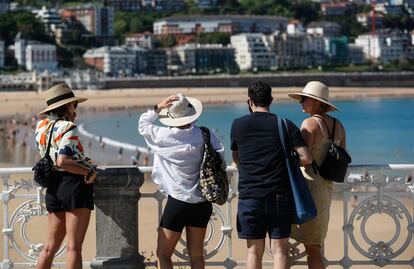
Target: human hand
x,y
91,179
167,102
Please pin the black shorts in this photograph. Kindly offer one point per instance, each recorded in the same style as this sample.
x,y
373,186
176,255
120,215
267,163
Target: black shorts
x,y
67,192
178,214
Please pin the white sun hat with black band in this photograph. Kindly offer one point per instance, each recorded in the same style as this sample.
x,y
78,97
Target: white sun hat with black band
x,y
60,95
183,111
315,90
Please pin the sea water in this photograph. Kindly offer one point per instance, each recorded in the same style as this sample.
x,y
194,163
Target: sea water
x,y
379,131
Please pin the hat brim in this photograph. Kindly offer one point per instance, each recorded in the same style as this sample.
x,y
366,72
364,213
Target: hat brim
x,y
63,102
298,96
166,120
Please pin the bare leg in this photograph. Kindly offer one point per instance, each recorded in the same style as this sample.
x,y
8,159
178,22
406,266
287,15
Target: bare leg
x,y
255,250
55,235
195,246
167,240
77,222
315,259
280,249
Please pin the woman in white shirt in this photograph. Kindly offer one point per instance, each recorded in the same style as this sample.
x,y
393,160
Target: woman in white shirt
x,y
178,150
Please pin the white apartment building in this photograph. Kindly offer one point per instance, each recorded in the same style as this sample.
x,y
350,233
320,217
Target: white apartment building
x,y
143,40
113,61
41,57
49,17
381,47
34,55
253,51
298,50
231,24
324,28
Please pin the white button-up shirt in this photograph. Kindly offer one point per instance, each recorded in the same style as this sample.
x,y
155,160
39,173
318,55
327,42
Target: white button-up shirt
x,y
177,157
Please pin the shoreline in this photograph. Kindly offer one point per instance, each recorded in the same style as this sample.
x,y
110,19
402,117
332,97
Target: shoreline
x,y
24,103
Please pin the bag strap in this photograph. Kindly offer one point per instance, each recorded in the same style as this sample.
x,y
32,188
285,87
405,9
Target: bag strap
x,y
332,136
206,134
50,138
282,127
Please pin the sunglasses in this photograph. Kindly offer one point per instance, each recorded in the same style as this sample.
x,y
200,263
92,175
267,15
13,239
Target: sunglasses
x,y
75,104
302,99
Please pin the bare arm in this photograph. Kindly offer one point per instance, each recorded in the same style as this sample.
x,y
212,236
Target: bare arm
x,y
305,155
70,165
307,131
235,155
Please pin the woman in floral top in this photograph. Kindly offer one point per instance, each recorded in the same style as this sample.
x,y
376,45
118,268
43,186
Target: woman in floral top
x,y
69,196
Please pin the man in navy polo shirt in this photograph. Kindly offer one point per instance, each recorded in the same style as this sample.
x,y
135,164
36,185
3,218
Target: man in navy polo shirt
x,y
265,204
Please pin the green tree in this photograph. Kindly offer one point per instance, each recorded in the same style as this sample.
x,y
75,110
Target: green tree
x,y
214,38
25,23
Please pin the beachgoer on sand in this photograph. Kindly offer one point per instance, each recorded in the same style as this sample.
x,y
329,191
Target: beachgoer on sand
x,y
265,204
317,130
69,198
177,152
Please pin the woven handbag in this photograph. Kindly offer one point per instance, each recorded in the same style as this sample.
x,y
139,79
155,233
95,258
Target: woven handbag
x,y
214,184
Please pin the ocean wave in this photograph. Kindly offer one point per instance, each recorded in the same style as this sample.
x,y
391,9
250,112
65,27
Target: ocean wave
x,y
111,142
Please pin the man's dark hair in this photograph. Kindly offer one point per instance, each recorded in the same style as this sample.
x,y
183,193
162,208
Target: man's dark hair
x,y
260,93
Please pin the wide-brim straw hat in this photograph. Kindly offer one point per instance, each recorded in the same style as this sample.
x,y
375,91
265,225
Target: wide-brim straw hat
x,y
59,95
315,90
183,111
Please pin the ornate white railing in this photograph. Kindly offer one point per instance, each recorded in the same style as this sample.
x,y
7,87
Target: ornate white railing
x,y
381,190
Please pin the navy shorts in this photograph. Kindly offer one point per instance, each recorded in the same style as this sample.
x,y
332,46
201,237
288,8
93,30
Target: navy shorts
x,y
269,215
178,214
67,192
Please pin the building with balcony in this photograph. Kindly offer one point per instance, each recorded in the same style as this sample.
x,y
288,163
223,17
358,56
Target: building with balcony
x,y
324,28
49,17
230,24
298,50
113,61
383,46
34,55
97,20
144,40
253,52
197,58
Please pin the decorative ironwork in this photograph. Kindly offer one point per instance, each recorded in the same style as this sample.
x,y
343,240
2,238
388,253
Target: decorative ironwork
x,y
380,190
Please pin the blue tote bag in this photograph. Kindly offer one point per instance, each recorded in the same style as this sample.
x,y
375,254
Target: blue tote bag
x,y
304,205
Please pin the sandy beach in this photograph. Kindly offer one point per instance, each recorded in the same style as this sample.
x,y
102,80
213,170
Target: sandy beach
x,y
27,103
33,102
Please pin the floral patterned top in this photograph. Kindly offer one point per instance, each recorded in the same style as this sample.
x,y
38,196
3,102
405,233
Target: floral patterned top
x,y
65,139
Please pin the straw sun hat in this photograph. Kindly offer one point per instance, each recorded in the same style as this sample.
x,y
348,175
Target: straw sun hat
x,y
183,111
60,95
315,90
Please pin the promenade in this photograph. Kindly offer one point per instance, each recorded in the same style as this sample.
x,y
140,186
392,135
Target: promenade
x,y
375,231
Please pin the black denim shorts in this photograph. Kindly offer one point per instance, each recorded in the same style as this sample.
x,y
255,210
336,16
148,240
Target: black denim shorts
x,y
178,214
67,192
270,215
